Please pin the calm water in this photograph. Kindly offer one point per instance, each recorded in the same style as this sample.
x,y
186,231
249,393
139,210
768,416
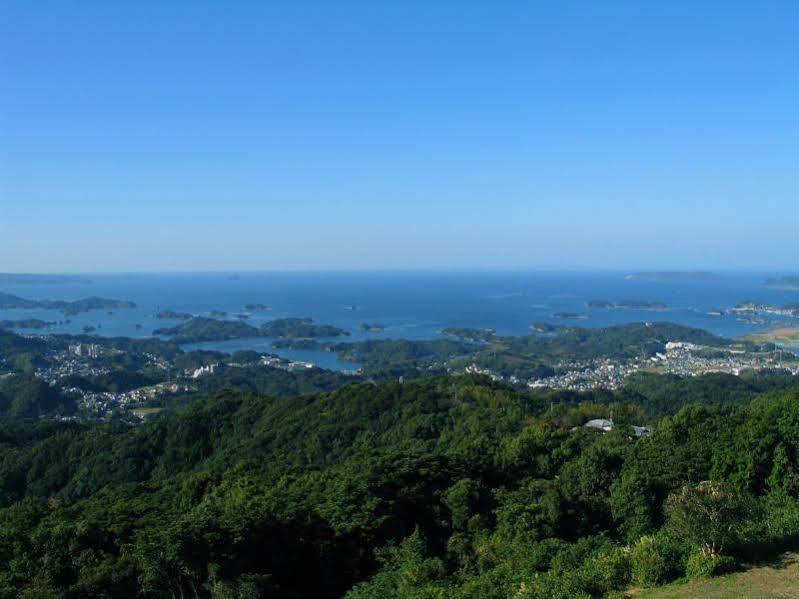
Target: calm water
x,y
411,305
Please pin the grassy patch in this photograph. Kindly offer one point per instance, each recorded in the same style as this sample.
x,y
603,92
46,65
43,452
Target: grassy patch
x,y
779,580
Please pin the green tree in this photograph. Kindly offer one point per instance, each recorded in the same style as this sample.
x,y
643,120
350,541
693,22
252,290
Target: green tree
x,y
708,514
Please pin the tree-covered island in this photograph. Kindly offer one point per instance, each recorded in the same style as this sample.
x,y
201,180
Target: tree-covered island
x,y
202,329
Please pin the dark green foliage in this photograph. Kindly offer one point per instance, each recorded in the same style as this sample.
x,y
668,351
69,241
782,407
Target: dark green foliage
x,y
116,381
273,381
662,395
245,356
12,345
23,396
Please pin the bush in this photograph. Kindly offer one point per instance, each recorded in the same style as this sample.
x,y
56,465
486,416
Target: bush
x,y
705,565
610,570
647,563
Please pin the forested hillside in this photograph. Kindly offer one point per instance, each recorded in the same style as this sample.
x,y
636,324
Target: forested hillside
x,y
442,487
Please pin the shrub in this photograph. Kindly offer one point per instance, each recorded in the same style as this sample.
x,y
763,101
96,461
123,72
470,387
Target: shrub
x,y
647,563
704,565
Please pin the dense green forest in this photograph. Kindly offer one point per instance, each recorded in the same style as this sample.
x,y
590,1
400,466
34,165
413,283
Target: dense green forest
x,y
440,487
263,480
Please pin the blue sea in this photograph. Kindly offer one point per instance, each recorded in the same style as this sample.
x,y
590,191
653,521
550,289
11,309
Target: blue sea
x,y
411,305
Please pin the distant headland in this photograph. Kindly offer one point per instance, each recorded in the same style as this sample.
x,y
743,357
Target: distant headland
x,y
11,302
790,283
11,278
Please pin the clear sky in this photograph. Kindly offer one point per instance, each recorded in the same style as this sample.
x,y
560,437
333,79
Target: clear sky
x,y
155,135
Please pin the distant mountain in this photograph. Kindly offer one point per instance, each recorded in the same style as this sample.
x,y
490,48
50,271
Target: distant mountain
x,y
672,275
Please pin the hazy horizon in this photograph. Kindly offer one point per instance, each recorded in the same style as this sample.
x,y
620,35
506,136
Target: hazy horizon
x,y
721,270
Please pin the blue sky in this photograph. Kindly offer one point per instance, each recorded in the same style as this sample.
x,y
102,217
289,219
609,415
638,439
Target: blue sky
x,y
292,135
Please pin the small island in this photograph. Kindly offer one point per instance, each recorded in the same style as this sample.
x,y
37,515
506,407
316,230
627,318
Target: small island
x,y
790,283
570,316
300,328
171,315
218,313
628,304
257,308
596,303
372,328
